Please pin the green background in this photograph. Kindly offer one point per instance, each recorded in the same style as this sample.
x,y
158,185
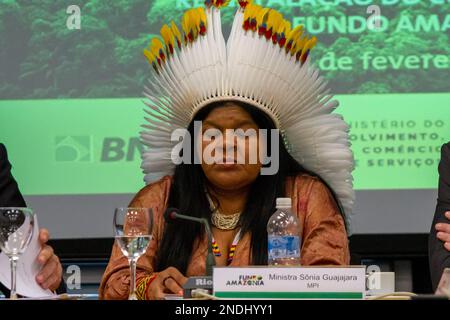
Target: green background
x,y
41,58
45,162
64,94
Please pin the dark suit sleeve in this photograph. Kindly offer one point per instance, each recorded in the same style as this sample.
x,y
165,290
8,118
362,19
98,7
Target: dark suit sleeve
x,y
439,257
10,195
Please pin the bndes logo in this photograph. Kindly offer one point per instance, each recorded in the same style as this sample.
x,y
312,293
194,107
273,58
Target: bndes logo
x,y
81,149
118,149
73,149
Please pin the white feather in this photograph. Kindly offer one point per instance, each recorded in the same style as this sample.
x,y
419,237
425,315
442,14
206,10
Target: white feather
x,y
251,69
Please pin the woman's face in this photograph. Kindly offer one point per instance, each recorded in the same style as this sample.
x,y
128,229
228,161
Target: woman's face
x,y
239,152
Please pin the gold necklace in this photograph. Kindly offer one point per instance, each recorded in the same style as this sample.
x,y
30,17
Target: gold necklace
x,y
222,221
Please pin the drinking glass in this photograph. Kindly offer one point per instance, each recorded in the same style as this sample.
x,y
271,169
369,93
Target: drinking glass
x,y
133,232
16,231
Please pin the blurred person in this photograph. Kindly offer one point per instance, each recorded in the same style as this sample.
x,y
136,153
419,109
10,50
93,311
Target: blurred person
x,y
439,238
50,276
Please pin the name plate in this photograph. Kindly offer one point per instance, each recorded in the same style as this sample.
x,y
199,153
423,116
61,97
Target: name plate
x,y
289,282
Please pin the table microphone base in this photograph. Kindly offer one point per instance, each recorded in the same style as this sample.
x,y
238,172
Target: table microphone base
x,y
201,282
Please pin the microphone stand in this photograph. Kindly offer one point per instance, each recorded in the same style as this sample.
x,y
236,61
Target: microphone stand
x,y
202,282
210,260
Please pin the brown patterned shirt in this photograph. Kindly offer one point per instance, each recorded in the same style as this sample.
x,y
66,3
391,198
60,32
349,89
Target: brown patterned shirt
x,y
324,238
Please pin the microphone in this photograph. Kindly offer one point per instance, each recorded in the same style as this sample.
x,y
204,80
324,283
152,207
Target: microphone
x,y
172,214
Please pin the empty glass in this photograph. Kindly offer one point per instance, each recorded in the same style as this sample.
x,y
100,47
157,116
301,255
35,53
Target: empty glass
x,y
16,231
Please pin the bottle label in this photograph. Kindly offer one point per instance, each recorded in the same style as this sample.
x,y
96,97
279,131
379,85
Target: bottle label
x,y
280,247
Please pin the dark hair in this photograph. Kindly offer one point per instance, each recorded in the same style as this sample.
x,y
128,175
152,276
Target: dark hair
x,y
188,195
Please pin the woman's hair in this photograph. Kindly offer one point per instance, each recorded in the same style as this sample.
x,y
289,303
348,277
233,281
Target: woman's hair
x,y
188,195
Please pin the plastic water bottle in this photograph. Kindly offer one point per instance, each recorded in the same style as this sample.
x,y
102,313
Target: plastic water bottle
x,y
283,231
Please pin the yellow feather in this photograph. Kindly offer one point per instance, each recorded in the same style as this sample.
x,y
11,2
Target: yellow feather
x,y
247,11
202,14
274,20
150,57
244,3
310,44
168,37
194,24
220,3
190,22
185,25
256,9
251,11
291,39
287,25
295,33
299,43
262,16
176,32
284,27
250,14
156,47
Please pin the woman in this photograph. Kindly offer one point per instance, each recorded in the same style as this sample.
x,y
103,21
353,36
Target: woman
x,y
260,79
179,249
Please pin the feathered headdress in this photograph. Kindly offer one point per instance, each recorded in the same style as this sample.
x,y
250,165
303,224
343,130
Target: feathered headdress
x,y
265,64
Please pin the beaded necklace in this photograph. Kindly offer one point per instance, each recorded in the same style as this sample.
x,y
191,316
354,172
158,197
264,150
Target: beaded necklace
x,y
226,225
217,252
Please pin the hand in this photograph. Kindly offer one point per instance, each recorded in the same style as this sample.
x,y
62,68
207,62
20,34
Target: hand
x,y
50,275
443,233
169,280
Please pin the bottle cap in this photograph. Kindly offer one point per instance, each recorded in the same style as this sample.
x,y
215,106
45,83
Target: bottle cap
x,y
284,203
